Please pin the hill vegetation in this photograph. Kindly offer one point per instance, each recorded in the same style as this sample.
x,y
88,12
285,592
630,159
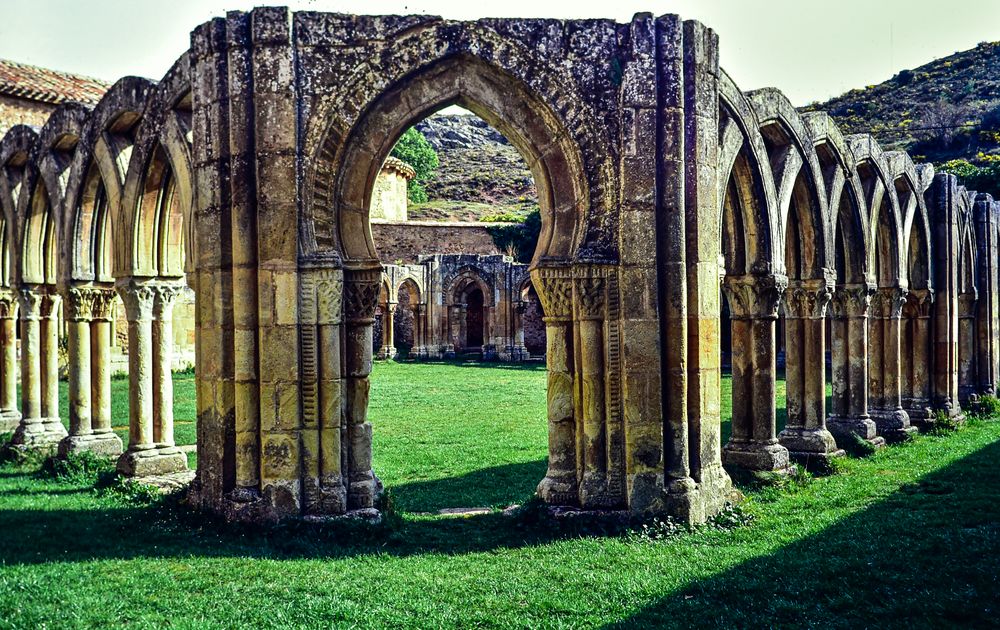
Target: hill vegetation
x,y
946,112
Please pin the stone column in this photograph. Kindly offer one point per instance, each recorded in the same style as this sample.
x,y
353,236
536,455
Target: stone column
x,y
805,434
916,368
388,349
103,438
361,287
520,352
419,332
49,330
35,430
10,417
560,485
849,310
967,379
891,420
143,457
590,302
163,356
753,302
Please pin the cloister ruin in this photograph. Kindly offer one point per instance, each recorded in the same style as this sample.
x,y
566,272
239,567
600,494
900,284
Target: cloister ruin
x,y
671,202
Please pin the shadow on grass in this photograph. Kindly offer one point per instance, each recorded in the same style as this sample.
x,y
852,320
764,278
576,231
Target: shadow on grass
x,y
927,555
498,486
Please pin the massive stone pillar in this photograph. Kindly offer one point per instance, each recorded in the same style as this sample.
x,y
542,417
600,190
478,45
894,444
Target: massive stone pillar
x,y
805,434
146,455
885,395
849,353
37,429
916,360
753,303
988,303
88,323
943,202
10,417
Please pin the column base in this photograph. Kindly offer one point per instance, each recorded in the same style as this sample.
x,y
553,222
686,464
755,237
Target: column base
x,y
152,462
100,444
558,489
757,456
920,413
385,353
39,434
843,428
813,448
9,419
694,502
893,424
364,491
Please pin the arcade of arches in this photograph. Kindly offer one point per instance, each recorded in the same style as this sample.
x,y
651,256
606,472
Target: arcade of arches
x,y
247,174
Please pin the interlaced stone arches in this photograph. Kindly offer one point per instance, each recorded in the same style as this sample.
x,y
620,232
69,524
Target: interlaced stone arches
x,y
246,174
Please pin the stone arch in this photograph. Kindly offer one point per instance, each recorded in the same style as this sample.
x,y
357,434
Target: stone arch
x,y
407,325
968,295
349,158
155,216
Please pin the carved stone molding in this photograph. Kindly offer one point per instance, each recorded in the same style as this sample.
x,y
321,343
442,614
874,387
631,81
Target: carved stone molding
x,y
851,300
754,296
887,303
807,299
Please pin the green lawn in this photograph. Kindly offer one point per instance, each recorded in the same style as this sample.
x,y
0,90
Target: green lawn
x,y
909,537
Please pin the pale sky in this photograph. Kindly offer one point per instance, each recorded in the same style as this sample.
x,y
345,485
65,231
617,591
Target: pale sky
x,y
810,49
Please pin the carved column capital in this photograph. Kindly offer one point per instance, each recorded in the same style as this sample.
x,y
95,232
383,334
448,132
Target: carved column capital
x,y
8,304
754,296
103,306
50,305
361,288
555,290
138,299
30,303
851,301
918,303
807,299
163,301
84,304
887,303
590,298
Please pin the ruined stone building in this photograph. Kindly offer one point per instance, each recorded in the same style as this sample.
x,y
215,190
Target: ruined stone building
x,y
247,173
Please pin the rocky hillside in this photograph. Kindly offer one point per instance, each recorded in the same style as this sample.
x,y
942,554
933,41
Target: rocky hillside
x,y
946,109
480,173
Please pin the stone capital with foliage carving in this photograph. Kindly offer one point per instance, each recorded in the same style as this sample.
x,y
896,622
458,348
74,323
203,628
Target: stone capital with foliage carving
x,y
555,291
8,304
887,303
361,289
754,296
851,301
918,303
807,299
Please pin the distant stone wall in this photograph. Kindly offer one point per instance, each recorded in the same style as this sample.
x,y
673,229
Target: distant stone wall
x,y
405,240
16,111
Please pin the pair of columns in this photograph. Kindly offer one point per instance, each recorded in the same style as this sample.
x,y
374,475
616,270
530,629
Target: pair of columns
x,y
151,450
388,348
39,428
517,351
10,417
754,301
89,311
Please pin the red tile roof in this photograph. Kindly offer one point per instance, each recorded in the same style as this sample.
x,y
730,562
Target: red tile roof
x,y
48,86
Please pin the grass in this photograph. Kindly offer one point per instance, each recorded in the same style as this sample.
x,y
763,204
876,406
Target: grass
x,y
909,537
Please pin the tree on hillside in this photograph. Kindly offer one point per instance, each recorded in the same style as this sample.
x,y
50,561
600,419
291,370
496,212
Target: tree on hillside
x,y
413,148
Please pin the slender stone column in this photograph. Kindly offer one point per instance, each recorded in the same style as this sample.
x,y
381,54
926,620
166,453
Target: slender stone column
x,y
388,350
143,457
520,352
891,420
560,485
163,356
361,287
50,355
967,378
753,302
916,369
849,310
805,434
10,417
35,431
590,303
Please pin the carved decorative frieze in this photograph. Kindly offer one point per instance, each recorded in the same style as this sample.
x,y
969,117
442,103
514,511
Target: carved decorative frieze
x,y
754,296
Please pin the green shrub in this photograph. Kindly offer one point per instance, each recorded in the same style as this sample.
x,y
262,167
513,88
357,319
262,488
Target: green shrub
x,y
519,239
858,446
413,148
944,424
988,406
76,468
